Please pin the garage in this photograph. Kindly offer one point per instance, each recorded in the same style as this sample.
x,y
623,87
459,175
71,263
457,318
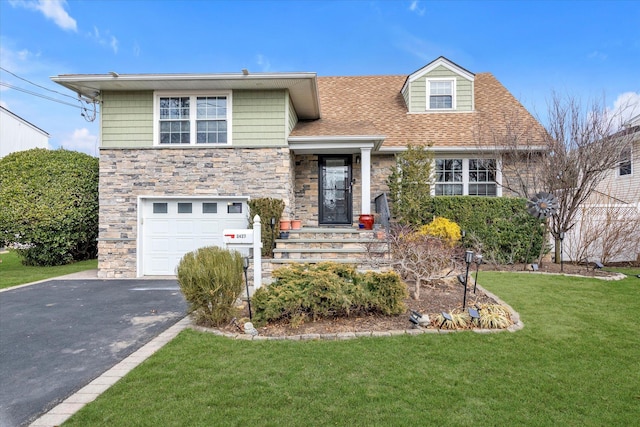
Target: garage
x,y
171,227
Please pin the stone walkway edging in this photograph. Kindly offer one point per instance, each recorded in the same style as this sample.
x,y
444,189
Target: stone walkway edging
x,y
340,336
615,276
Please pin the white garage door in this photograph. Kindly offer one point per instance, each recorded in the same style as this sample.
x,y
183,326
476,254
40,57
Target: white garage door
x,y
173,227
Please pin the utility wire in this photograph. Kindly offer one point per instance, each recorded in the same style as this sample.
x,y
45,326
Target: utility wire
x,y
10,86
35,84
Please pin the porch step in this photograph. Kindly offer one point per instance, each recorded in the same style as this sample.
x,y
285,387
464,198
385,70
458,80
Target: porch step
x,y
338,244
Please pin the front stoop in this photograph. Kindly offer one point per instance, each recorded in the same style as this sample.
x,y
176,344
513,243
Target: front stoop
x,y
343,245
346,245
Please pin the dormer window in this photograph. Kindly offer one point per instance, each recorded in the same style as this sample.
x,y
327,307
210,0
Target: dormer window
x,y
441,94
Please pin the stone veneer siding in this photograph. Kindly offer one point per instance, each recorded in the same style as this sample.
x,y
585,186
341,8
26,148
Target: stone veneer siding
x,y
126,174
306,185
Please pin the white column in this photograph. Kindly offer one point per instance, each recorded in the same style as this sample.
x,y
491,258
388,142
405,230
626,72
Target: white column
x,y
365,163
257,253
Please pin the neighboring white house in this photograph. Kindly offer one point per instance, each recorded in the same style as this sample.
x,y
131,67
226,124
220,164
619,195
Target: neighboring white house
x,y
608,225
17,134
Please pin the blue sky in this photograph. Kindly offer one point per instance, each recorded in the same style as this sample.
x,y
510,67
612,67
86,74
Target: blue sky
x,y
586,49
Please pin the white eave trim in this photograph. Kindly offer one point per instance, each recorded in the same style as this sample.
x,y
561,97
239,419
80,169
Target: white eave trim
x,y
314,144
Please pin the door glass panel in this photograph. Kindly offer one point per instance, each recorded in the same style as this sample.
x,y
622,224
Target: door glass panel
x,y
335,194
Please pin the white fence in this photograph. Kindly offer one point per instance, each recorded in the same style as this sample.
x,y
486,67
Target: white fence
x,y
606,233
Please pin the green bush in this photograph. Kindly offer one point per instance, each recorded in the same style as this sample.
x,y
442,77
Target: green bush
x,y
267,208
49,205
211,281
499,227
302,291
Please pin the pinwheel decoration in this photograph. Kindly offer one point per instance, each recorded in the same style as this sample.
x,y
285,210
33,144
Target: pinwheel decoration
x,y
542,205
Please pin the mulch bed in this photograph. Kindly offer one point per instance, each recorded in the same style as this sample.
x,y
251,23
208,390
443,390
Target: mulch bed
x,y
444,296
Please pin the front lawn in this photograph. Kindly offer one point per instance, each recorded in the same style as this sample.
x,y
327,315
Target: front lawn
x,y
13,273
576,363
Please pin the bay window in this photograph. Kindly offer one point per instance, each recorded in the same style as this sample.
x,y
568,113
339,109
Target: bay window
x,y
189,119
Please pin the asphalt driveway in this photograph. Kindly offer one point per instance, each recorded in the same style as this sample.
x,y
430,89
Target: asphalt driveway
x,y
59,335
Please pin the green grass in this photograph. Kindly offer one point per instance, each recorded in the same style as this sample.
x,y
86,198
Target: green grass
x,y
576,363
13,273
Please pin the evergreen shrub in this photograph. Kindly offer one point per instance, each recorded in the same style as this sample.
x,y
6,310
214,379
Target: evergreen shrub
x,y
267,208
303,291
442,228
49,206
499,227
211,281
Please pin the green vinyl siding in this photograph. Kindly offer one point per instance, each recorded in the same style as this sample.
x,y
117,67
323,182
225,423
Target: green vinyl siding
x,y
419,95
259,118
405,94
127,119
292,120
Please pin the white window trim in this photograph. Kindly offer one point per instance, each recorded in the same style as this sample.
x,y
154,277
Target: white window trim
x,y
618,174
453,93
465,174
192,117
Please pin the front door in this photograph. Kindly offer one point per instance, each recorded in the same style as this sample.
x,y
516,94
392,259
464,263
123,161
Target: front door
x,y
335,190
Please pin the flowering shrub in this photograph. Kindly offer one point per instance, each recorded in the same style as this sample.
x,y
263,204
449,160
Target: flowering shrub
x,y
442,228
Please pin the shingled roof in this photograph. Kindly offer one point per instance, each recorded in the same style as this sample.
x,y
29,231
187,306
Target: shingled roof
x,y
373,105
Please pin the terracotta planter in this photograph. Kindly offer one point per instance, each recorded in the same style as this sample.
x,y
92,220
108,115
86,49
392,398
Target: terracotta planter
x,y
296,224
367,220
285,224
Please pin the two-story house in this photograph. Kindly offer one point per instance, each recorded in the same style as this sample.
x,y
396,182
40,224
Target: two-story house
x,y
180,154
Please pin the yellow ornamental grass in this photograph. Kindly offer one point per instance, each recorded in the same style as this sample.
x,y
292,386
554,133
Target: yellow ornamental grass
x,y
442,228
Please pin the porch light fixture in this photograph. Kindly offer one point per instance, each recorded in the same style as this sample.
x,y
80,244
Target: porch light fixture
x,y
245,267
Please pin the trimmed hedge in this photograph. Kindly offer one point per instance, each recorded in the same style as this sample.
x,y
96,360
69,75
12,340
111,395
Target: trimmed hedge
x,y
501,226
49,205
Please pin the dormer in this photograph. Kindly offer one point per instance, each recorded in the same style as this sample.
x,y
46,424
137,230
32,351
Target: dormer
x,y
439,87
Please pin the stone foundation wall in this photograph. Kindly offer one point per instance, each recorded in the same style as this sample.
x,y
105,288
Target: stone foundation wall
x,y
126,174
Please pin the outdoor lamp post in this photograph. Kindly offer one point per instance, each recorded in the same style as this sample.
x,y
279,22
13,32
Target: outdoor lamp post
x,y
561,237
478,262
245,266
468,259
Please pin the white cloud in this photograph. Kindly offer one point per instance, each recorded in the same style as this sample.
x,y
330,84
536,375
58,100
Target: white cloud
x,y
601,56
106,40
16,61
51,9
626,106
81,140
415,7
264,63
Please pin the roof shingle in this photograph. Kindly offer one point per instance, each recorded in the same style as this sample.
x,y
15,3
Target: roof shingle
x,y
373,105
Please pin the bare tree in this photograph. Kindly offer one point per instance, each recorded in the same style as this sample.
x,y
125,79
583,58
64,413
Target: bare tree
x,y
568,158
422,258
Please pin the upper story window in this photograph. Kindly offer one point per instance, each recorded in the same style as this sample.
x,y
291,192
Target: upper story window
x,y
473,177
189,119
441,94
624,167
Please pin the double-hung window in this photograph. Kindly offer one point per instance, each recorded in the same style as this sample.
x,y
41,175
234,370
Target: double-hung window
x,y
190,119
473,177
624,167
441,94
